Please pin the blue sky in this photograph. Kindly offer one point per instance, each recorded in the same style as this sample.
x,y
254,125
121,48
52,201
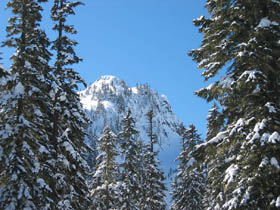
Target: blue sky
x,y
141,42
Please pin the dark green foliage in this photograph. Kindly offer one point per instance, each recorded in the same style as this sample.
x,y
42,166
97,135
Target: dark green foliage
x,y
151,135
214,122
189,184
191,137
243,159
3,72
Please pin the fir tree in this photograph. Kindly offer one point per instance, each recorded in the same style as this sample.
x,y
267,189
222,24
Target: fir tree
x,y
214,122
150,133
68,118
3,78
154,192
178,186
104,185
25,149
141,178
214,126
189,184
3,72
191,137
181,130
131,164
243,159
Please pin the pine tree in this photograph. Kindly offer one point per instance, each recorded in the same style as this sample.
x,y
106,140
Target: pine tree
x,y
104,185
3,72
131,164
141,178
214,126
25,149
191,137
68,118
214,122
151,135
189,184
181,130
243,159
178,185
3,78
154,192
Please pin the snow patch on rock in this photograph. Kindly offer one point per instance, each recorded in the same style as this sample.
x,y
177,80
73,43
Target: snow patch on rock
x,y
265,22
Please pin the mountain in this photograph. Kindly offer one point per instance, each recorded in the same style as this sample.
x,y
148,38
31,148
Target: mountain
x,y
109,98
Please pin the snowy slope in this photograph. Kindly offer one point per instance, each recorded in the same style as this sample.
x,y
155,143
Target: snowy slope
x,y
109,98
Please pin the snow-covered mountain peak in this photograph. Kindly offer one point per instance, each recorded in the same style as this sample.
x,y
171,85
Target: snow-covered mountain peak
x,y
106,85
108,99
110,81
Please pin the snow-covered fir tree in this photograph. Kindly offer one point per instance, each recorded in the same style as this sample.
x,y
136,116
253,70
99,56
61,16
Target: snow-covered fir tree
x,y
189,184
3,77
153,180
105,186
68,118
141,177
178,186
25,150
243,159
214,122
190,137
131,164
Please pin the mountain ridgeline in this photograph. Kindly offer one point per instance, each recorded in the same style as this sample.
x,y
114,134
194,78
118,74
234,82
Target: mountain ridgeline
x,y
109,98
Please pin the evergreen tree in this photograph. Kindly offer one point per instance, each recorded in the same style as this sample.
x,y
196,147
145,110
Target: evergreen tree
x,y
131,164
214,122
141,177
178,185
25,149
104,185
154,192
181,130
153,138
243,159
68,118
191,137
3,72
214,126
3,78
189,184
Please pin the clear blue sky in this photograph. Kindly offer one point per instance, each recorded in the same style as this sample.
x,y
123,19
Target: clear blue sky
x,y
144,41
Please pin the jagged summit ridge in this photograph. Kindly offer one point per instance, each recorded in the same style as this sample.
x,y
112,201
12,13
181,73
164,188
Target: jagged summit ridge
x,y
106,84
